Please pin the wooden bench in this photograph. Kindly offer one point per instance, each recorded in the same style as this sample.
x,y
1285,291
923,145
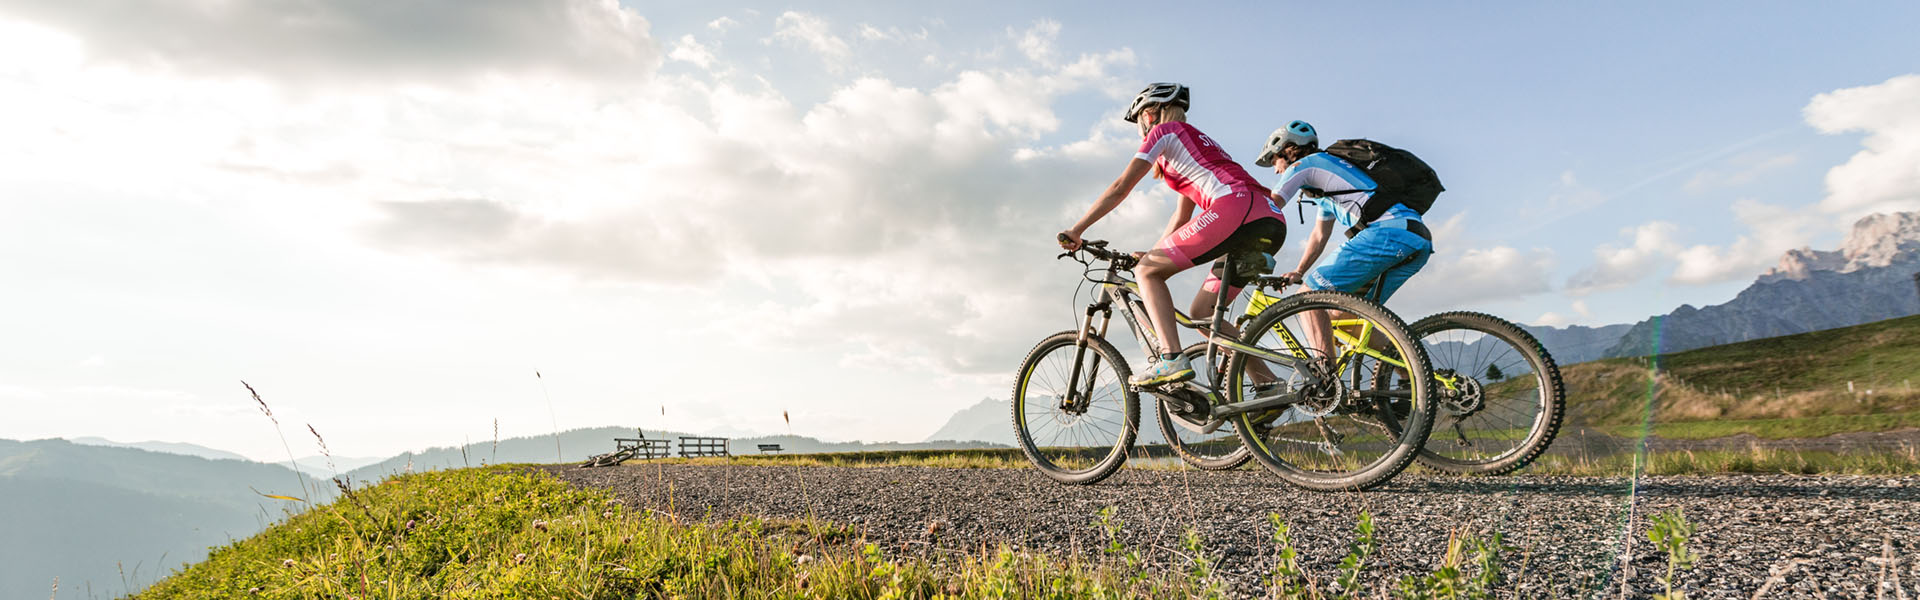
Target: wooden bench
x,y
694,447
769,448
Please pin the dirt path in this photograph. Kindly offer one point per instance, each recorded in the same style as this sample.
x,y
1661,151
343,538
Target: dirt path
x,y
1569,530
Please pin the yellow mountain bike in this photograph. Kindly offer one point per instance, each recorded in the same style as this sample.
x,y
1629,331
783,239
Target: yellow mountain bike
x,y
1498,394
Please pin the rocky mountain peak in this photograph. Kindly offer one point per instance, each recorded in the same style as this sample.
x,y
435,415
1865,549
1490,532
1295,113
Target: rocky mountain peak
x,y
1878,240
1882,239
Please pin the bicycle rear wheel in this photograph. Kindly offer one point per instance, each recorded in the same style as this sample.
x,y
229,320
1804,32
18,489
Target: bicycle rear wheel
x,y
1499,396
1075,432
1350,429
1216,451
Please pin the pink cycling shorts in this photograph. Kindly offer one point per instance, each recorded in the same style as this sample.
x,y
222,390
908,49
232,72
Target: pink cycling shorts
x,y
1210,233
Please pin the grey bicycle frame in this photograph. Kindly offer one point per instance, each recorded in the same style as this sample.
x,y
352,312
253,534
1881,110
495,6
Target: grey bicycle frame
x,y
1116,293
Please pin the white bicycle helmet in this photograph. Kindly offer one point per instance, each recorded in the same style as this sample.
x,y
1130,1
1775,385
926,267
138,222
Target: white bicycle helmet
x,y
1298,133
1159,93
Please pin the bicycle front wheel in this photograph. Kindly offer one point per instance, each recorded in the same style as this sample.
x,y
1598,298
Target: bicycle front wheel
x,y
1499,396
1355,416
1075,422
1218,450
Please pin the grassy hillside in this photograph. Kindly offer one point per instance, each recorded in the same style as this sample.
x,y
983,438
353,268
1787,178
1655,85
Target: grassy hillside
x,y
1790,386
504,532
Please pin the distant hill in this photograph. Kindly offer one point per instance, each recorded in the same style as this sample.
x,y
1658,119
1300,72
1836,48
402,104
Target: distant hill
x,y
1869,278
1795,376
317,466
83,513
167,447
576,445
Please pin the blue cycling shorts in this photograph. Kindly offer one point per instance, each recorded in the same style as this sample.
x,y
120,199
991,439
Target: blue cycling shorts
x,y
1398,253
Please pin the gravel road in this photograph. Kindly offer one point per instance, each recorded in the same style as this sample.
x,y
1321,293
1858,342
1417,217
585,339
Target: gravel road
x,y
1828,533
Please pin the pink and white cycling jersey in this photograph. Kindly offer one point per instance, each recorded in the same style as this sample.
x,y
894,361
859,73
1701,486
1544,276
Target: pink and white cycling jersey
x,y
1192,163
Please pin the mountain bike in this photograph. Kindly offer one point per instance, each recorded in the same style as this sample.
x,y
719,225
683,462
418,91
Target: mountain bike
x,y
1318,419
1499,397
1498,394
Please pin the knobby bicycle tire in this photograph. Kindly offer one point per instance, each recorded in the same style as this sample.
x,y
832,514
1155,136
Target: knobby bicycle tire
x,y
1401,440
1025,421
1550,397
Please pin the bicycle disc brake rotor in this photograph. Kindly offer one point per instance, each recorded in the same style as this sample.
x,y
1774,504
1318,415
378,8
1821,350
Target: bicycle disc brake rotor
x,y
1468,399
1324,399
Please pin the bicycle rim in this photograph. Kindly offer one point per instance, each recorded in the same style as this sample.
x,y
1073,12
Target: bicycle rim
x,y
1084,441
1347,432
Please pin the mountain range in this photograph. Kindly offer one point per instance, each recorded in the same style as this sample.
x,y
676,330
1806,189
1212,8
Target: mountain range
x,y
1871,277
108,520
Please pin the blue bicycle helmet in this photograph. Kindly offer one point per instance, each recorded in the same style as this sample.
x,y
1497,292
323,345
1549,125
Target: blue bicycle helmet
x,y
1298,133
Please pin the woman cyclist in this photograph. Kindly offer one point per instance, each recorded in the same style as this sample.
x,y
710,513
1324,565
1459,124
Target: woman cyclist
x,y
1234,213
1395,245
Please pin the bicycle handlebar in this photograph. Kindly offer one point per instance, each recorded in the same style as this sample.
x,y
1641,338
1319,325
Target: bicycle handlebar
x,y
1098,248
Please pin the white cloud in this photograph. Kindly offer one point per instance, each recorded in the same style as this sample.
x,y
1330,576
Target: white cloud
x,y
1772,230
1037,41
889,220
356,40
813,33
1471,277
1469,273
1554,319
691,50
722,24
1616,266
1885,175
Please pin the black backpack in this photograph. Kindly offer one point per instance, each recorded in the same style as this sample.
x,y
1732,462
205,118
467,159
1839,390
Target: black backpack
x,y
1398,175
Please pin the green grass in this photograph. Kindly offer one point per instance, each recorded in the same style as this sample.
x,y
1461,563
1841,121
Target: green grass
x,y
1776,429
1751,461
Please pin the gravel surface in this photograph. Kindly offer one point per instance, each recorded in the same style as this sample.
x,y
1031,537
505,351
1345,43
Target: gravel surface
x,y
1826,533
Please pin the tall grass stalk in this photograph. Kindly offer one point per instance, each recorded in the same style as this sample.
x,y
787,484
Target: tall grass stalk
x,y
550,415
291,463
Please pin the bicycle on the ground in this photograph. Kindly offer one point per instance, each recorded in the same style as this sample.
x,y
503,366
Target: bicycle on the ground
x,y
1346,419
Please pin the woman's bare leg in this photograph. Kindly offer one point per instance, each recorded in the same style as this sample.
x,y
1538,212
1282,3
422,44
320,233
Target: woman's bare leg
x,y
1153,271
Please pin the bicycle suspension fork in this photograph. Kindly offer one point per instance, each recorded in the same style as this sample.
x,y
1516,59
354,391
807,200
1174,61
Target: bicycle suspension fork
x,y
1105,309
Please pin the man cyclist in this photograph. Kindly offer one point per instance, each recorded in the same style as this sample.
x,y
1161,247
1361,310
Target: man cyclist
x,y
1390,249
1234,212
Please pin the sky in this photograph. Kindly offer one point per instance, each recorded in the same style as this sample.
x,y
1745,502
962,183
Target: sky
x,y
831,219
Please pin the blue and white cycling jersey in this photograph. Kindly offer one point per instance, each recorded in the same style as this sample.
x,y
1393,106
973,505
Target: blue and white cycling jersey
x,y
1329,174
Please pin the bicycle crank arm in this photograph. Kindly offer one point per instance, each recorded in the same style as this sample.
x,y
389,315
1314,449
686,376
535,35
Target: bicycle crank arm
x,y
1229,411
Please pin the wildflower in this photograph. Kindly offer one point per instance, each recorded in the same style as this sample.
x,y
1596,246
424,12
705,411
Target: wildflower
x,y
539,525
519,558
409,524
288,563
804,559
